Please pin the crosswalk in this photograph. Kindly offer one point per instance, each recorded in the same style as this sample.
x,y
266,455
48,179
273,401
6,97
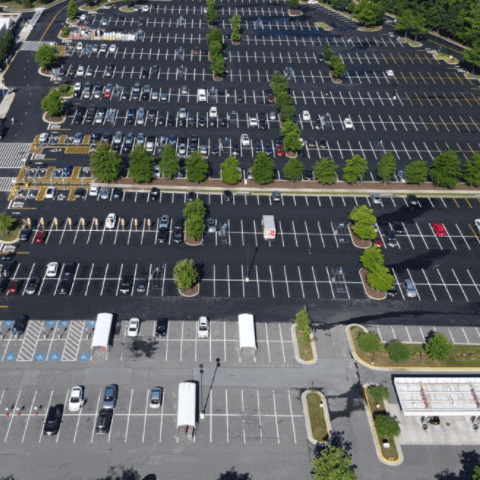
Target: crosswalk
x,y
32,46
13,155
6,183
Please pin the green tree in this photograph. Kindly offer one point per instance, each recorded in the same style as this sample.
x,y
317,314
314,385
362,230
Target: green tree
x,y
211,15
471,170
195,227
236,36
387,166
378,393
185,274
476,473
215,35
405,21
370,13
263,169
371,258
141,165
7,223
381,279
197,167
369,342
105,163
6,43
355,169
398,351
439,347
303,322
446,169
294,3
72,10
333,464
325,171
362,214
283,99
46,56
472,56
195,209
53,103
215,48
230,171
278,83
291,136
386,425
293,169
287,112
338,67
364,231
419,26
327,52
169,163
217,64
416,172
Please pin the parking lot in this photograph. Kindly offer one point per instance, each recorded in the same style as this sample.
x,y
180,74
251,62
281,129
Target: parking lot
x,y
70,341
232,415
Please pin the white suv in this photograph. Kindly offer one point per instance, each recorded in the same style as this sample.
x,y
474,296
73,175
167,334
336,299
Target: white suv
x,y
203,327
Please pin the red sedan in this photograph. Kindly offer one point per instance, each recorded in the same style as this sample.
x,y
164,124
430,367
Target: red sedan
x,y
280,151
39,237
378,243
439,229
13,287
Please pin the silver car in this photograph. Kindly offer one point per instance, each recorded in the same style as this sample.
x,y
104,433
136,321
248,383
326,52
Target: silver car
x,y
409,287
156,397
110,396
164,221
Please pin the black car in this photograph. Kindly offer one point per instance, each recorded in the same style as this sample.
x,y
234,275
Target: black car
x,y
398,227
236,149
163,234
142,285
171,121
214,149
311,143
144,73
20,325
202,121
32,285
65,286
258,148
178,230
191,120
104,420
131,116
3,284
161,120
109,70
8,268
161,328
80,192
391,239
25,234
263,124
191,196
126,284
228,196
154,193
117,193
393,291
278,140
53,420
413,201
268,149
223,122
308,174
152,113
95,137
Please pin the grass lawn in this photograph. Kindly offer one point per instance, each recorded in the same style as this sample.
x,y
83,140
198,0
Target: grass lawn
x,y
391,452
8,237
317,417
411,42
324,26
446,58
126,8
370,29
66,92
463,356
305,350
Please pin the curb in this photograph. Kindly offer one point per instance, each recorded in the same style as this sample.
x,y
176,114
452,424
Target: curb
x,y
190,296
353,241
365,288
403,40
307,416
44,74
297,353
376,439
193,244
389,369
44,118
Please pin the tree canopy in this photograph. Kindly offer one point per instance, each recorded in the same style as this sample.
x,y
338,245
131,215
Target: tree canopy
x,y
141,165
46,56
105,163
230,170
333,464
263,169
197,167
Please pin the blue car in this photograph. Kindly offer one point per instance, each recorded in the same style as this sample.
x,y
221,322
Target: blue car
x,y
172,140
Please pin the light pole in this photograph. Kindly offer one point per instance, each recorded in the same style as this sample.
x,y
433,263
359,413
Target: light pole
x,y
202,409
202,413
247,278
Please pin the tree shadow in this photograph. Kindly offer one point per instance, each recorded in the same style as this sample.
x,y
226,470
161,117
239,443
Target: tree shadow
x,y
468,460
232,474
140,348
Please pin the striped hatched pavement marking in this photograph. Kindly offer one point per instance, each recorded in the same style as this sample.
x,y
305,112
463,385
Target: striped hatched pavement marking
x,y
29,344
74,338
6,183
13,154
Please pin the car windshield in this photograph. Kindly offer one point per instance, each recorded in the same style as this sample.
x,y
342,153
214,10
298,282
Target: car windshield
x,y
74,400
203,327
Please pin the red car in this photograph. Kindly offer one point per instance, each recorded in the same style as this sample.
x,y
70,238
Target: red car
x,y
39,236
107,94
280,151
13,287
439,229
377,242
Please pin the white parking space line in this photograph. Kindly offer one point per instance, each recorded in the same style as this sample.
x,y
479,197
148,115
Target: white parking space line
x,y
128,416
48,407
275,411
431,289
65,403
408,333
96,414
161,419
145,418
460,285
243,418
226,415
446,288
29,415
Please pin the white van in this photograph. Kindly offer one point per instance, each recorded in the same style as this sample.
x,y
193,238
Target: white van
x,y
201,95
203,328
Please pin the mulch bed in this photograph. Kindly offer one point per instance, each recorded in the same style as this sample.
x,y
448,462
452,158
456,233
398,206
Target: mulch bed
x,y
50,119
191,292
295,13
335,80
371,291
193,243
357,241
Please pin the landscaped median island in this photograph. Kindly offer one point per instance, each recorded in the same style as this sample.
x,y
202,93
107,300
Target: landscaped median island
x,y
9,227
305,342
386,427
437,352
316,413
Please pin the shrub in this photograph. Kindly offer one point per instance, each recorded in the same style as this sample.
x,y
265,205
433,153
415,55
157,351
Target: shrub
x,y
293,169
325,171
398,351
380,279
446,169
378,393
439,347
371,258
230,172
263,169
195,227
386,425
197,167
369,342
303,323
195,209
185,274
416,172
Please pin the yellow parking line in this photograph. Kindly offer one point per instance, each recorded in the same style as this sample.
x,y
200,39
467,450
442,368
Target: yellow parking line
x,y
408,98
468,100
471,149
425,57
413,78
418,98
446,99
472,229
456,203
438,100
468,202
403,76
411,59
450,78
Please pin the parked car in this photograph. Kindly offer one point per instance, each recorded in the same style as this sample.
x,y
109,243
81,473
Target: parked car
x,y
110,396
203,327
53,420
409,287
76,399
161,327
19,325
439,229
156,397
32,285
104,421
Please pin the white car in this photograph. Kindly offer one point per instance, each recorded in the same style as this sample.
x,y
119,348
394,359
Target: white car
x,y
156,171
50,193
76,400
112,48
402,176
306,116
252,122
213,112
203,327
79,47
348,122
80,71
111,221
145,9
94,189
245,140
83,16
43,138
103,48
390,73
133,327
52,269
477,224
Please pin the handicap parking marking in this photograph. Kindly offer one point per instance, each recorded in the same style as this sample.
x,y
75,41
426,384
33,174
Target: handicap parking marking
x,y
55,357
40,357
